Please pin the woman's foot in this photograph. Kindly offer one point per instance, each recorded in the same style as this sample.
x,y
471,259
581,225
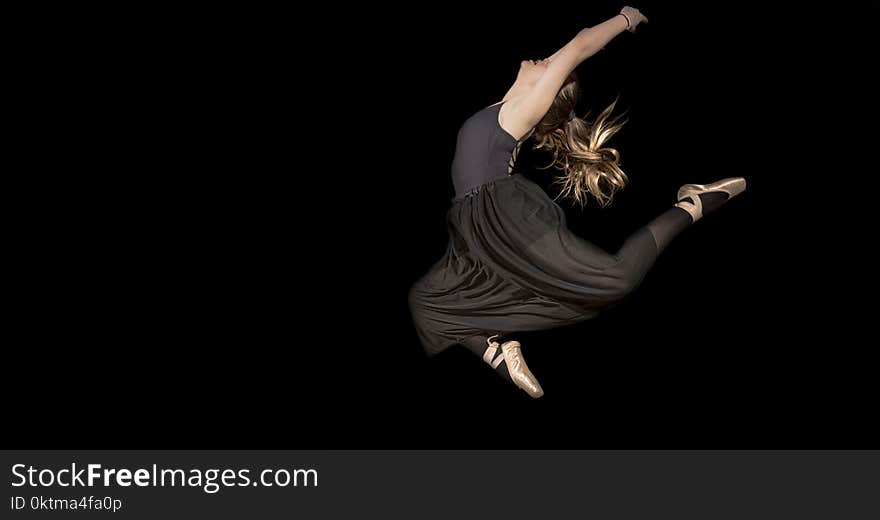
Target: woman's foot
x,y
701,199
511,355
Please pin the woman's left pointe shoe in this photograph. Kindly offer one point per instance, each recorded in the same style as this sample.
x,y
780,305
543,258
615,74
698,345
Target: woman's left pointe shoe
x,y
732,187
511,354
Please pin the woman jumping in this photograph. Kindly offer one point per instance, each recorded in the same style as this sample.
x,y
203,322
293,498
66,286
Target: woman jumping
x,y
512,264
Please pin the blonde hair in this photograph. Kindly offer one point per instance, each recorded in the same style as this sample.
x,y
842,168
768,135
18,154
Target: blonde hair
x,y
579,148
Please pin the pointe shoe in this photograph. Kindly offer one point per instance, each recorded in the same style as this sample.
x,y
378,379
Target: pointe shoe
x,y
519,372
732,187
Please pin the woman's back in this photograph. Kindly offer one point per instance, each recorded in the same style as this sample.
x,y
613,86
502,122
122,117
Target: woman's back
x,y
482,151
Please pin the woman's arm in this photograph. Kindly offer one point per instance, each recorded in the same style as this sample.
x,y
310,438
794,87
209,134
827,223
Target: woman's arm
x,y
525,112
603,35
592,39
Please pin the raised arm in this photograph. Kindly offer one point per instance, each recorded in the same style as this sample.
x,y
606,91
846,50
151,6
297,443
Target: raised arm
x,y
593,39
527,110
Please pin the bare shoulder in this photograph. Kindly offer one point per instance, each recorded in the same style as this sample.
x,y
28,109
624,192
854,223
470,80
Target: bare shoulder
x,y
512,118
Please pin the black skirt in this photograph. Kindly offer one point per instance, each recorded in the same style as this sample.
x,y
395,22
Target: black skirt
x,y
511,265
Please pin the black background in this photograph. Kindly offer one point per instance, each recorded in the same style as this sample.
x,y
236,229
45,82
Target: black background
x,y
226,210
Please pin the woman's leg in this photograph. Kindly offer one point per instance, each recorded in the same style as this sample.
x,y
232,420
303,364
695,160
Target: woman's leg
x,y
622,272
478,345
668,225
635,257
629,266
510,365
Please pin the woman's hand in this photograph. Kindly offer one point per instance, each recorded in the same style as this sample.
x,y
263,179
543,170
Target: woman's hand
x,y
634,16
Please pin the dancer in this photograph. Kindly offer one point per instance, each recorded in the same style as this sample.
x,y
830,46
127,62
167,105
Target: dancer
x,y
511,264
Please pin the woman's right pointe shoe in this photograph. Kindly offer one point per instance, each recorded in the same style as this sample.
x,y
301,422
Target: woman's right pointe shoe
x,y
511,354
732,187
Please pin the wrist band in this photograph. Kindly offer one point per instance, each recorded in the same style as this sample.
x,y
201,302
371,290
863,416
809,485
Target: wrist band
x,y
628,23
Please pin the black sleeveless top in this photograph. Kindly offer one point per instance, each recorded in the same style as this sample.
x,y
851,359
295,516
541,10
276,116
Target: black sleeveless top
x,y
482,151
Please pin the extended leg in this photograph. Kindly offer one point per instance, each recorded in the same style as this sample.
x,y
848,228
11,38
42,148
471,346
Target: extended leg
x,y
672,222
640,250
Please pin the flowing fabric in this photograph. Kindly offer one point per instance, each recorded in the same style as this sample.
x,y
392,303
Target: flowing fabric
x,y
512,264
